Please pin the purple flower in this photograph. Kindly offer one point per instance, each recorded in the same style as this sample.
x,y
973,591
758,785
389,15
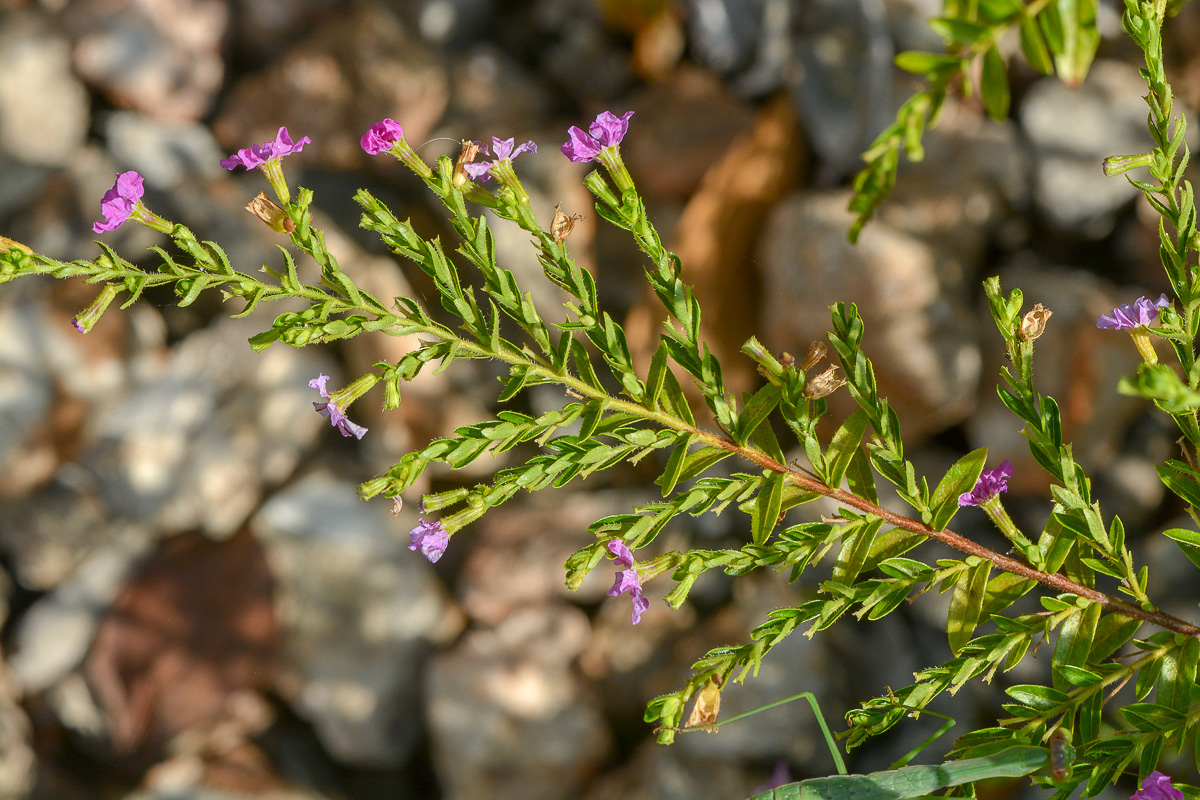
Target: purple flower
x,y
627,579
336,416
504,150
117,203
1157,786
991,483
381,136
430,538
251,157
607,131
1139,315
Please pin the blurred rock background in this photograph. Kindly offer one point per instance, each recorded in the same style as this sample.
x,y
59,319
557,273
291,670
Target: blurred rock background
x,y
195,604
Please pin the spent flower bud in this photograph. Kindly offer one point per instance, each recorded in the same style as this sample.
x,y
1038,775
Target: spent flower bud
x,y
270,213
816,351
562,225
86,319
1033,324
823,385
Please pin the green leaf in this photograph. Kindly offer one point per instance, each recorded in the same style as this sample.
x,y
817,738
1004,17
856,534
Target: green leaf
x,y
993,85
1075,642
843,448
1178,676
966,603
959,31
958,480
674,401
1040,698
756,410
926,63
1080,38
1152,717
767,506
1078,676
1183,536
1180,479
1112,632
1033,44
858,540
999,11
859,478
675,463
659,367
1004,590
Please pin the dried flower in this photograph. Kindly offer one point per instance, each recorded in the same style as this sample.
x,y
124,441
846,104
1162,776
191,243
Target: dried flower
x,y
118,202
251,157
1157,786
503,150
816,351
627,579
8,245
562,225
275,217
824,384
991,483
470,149
1033,324
430,538
333,412
381,136
607,131
1140,314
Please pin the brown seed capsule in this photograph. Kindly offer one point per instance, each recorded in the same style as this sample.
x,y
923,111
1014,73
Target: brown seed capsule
x,y
816,351
562,225
275,217
470,149
1033,324
824,384
707,706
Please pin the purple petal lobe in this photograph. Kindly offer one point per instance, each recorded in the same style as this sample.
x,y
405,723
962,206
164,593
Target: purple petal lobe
x,y
430,538
117,203
991,483
580,146
1141,313
318,383
381,136
251,157
620,552
609,129
1157,786
479,170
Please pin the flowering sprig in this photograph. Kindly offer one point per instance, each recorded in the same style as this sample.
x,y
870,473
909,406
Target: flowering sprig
x,y
601,142
333,411
615,412
627,580
430,538
1136,318
124,201
267,157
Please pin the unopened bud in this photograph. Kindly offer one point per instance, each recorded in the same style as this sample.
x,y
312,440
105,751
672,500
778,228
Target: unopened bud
x,y
816,351
276,218
562,225
470,149
87,318
344,397
824,384
1033,324
1115,165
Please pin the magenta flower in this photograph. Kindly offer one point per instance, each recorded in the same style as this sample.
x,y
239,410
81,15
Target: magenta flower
x,y
991,483
380,136
117,203
336,416
504,150
430,538
1157,786
1140,314
607,131
251,157
627,579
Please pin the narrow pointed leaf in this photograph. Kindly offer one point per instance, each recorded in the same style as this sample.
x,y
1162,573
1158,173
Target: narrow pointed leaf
x,y
767,507
966,603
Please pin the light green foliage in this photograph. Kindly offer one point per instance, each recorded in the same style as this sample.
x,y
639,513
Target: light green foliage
x,y
615,411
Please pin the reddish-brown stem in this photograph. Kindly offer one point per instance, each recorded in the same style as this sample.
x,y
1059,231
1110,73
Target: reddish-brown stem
x,y
958,542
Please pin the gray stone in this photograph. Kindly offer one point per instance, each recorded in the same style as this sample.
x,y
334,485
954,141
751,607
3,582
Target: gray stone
x,y
164,153
508,715
43,108
1073,131
55,633
359,610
